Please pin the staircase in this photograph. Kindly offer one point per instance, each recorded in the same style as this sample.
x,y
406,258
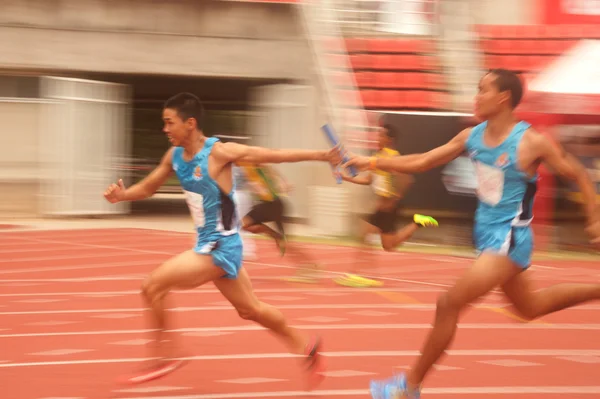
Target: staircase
x,y
344,108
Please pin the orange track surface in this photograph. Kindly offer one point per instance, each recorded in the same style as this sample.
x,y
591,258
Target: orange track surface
x,y
72,321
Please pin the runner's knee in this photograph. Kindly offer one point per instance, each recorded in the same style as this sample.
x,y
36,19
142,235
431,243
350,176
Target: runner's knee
x,y
247,222
529,310
448,302
387,245
151,289
251,228
249,311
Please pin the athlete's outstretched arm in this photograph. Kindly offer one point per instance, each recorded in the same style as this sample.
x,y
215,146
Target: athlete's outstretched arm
x,y
415,163
566,166
145,188
233,152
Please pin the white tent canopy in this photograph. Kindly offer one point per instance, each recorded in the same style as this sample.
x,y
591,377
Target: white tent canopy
x,y
570,85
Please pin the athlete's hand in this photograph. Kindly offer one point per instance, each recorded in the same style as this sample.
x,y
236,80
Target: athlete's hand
x,y
115,192
359,162
334,157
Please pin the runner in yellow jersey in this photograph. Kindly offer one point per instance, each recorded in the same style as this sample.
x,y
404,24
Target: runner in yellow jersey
x,y
269,187
389,189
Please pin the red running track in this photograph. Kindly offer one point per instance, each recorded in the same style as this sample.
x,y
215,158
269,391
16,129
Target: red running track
x,y
72,321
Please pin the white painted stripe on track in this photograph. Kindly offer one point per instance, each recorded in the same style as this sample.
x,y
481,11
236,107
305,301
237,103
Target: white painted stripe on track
x,y
321,327
74,279
347,354
95,266
346,306
565,390
214,291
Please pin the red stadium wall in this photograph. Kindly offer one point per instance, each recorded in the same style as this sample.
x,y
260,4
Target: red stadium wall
x,y
568,12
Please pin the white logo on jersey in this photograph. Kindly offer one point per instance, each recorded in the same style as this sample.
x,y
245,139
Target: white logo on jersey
x,y
490,181
195,204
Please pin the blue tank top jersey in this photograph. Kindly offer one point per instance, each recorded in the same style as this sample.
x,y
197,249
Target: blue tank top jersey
x,y
213,211
505,192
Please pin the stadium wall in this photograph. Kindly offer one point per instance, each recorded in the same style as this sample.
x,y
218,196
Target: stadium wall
x,y
194,38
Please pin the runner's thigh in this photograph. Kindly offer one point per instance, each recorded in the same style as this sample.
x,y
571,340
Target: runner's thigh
x,y
186,270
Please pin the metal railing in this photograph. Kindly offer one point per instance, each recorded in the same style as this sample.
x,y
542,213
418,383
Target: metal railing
x,y
393,17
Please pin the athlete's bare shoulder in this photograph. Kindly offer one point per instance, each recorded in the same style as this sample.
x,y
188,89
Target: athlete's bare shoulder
x,y
459,141
228,152
534,142
465,133
167,159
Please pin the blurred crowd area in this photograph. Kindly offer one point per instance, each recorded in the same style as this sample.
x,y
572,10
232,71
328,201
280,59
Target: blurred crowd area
x,y
82,85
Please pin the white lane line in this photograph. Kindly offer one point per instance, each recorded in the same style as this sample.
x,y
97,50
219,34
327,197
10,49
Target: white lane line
x,y
353,354
214,291
252,327
565,390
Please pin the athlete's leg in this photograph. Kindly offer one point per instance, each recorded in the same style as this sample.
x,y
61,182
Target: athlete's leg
x,y
488,272
382,222
390,241
250,225
533,304
241,295
187,270
262,213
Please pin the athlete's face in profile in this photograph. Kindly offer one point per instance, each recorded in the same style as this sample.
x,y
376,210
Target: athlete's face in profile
x,y
176,129
489,100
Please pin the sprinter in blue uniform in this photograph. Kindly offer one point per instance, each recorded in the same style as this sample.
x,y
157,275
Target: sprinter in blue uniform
x,y
204,168
506,153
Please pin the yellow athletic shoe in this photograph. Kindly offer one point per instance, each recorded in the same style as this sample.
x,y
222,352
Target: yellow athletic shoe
x,y
425,221
352,280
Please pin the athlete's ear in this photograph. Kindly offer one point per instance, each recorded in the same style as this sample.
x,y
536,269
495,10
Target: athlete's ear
x,y
191,123
504,96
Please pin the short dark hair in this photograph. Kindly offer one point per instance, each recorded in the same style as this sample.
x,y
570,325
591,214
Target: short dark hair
x,y
389,129
187,106
509,81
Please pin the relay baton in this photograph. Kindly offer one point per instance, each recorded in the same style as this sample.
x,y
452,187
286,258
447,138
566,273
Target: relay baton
x,y
335,170
335,142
